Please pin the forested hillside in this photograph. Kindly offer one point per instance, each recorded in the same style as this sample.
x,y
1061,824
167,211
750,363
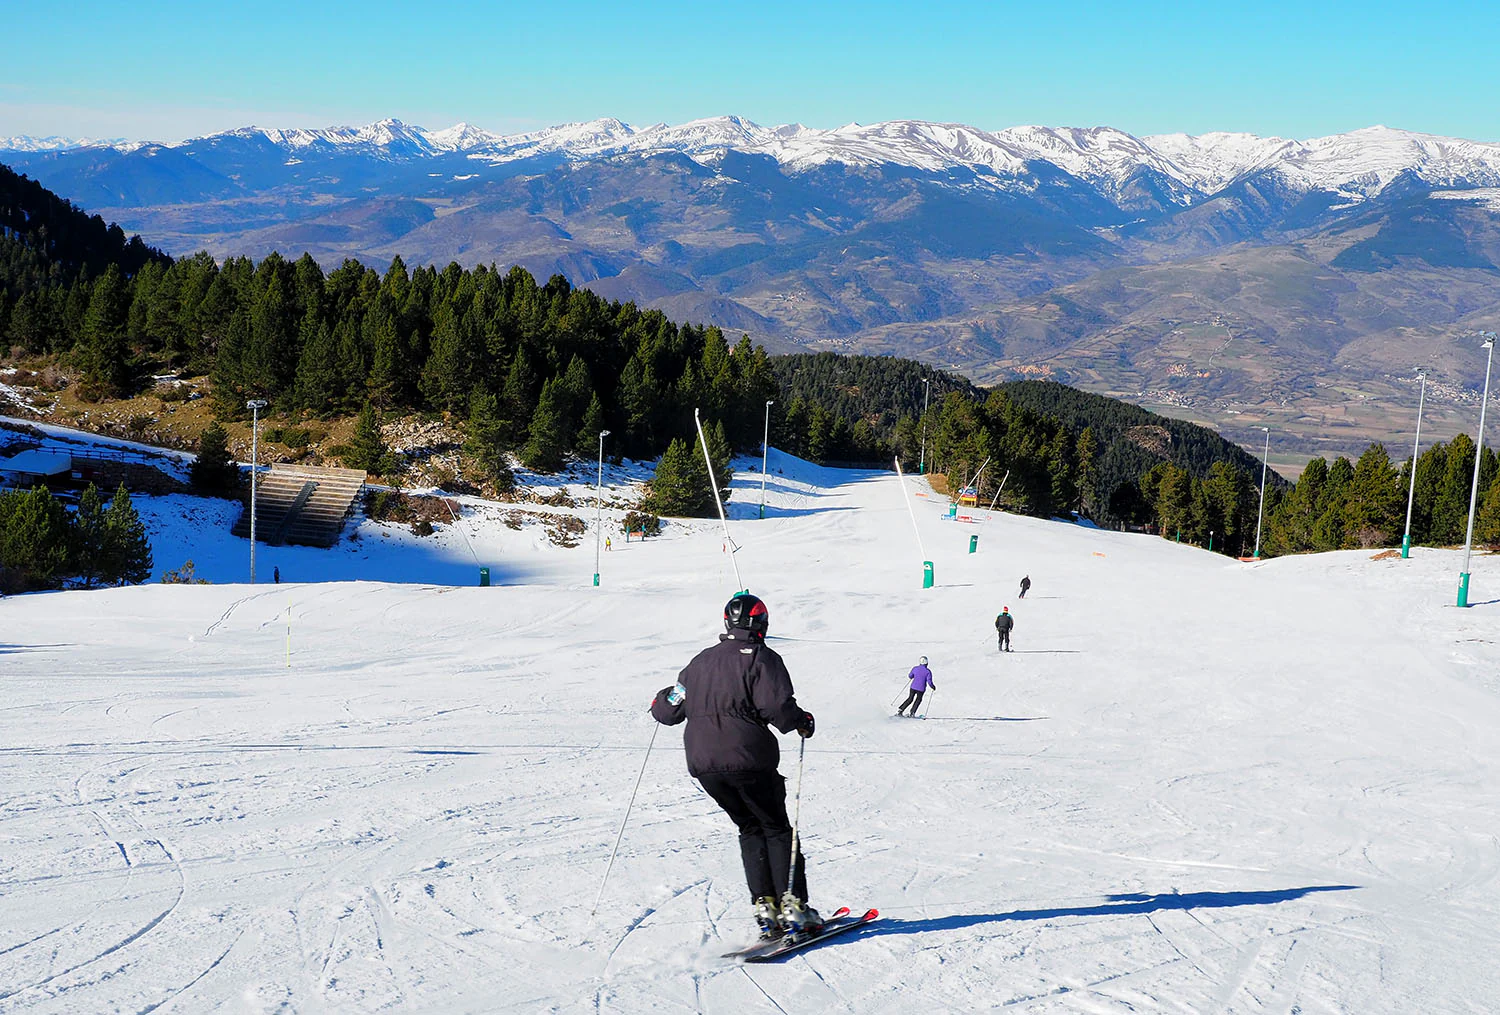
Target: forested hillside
x,y
45,240
535,371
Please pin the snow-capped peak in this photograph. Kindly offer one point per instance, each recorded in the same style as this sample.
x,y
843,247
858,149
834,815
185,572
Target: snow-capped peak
x,y
53,143
1358,164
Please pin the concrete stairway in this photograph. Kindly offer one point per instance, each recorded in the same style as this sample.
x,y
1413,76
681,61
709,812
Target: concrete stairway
x,y
303,504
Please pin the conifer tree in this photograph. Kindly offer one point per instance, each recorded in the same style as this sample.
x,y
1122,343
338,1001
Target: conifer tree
x,y
214,473
546,441
1374,500
1087,452
1062,490
105,371
319,384
1487,522
367,449
449,374
126,554
35,536
586,443
486,445
519,392
680,486
719,452
90,536
1450,512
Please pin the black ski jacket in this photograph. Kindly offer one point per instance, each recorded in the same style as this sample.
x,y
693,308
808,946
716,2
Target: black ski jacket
x,y
1004,622
734,691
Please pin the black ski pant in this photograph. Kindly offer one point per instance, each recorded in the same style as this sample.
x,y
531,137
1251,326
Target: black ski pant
x,y
914,699
756,803
1004,641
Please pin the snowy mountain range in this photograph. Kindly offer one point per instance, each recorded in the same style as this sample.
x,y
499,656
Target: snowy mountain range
x,y
1212,272
1356,165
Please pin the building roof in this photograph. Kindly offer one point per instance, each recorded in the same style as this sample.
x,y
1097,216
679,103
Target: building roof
x,y
37,462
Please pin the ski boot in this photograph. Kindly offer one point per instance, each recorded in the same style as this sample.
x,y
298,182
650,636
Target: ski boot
x,y
768,918
797,918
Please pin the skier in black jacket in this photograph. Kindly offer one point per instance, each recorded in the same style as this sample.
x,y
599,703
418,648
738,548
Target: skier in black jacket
x,y
729,694
1003,624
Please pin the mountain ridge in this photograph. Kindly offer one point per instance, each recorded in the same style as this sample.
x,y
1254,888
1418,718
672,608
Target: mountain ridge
x,y
1358,164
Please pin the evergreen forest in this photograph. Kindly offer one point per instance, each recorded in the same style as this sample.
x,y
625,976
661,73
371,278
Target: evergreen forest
x,y
534,371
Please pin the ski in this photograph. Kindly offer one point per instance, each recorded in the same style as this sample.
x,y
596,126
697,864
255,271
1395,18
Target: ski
x,y
740,953
840,923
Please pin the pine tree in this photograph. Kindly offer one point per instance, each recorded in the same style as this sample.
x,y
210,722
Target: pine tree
x,y
519,393
585,445
1062,489
1487,522
105,371
127,552
572,392
486,444
1088,472
1371,513
214,473
451,366
36,536
367,449
319,384
546,441
1450,512
719,453
680,486
90,537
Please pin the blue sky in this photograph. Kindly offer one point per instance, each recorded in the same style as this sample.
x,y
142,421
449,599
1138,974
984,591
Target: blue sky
x,y
168,70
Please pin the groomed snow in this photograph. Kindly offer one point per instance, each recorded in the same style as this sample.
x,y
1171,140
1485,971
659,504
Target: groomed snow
x,y
1195,786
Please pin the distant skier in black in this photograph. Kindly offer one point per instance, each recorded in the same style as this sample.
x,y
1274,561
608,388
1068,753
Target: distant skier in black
x,y
1025,586
276,575
729,694
1003,624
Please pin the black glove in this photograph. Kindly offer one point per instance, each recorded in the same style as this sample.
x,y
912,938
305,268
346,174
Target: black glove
x,y
806,726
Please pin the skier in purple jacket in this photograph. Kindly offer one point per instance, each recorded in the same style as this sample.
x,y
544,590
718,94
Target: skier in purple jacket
x,y
921,680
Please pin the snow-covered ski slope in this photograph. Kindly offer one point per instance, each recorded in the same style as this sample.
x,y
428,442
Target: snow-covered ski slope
x,y
1195,786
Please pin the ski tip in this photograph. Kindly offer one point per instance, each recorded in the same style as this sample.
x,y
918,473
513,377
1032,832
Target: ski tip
x,y
871,914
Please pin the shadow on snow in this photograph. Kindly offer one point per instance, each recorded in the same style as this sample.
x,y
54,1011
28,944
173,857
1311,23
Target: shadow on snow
x,y
1117,905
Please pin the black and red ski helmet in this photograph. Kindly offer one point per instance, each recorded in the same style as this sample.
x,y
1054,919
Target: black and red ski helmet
x,y
747,613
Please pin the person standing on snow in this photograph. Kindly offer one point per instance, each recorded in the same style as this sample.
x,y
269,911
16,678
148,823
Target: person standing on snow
x,y
1003,624
729,695
1025,586
921,680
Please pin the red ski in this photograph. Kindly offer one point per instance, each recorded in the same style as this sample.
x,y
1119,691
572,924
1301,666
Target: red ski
x,y
839,923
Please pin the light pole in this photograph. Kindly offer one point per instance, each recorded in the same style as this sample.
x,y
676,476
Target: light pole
x,y
765,449
926,394
1463,579
1260,512
599,505
254,405
1411,492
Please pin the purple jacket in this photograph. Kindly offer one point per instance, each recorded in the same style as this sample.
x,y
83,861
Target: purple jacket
x,y
921,678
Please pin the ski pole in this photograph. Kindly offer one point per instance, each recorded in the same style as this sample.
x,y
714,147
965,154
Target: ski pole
x,y
931,693
791,877
611,866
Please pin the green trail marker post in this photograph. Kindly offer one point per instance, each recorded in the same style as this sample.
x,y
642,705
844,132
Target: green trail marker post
x,y
973,543
927,576
484,577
